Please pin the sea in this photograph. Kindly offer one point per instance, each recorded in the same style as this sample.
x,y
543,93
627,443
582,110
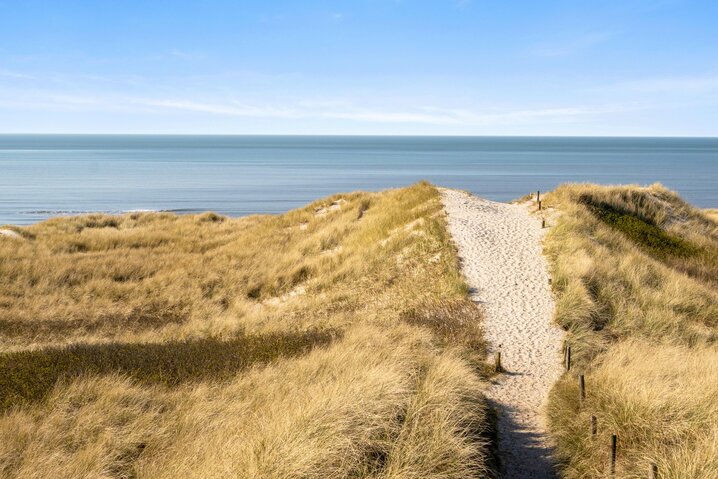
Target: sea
x,y
43,176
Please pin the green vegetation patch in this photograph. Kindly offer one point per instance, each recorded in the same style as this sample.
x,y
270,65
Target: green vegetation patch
x,y
645,234
27,376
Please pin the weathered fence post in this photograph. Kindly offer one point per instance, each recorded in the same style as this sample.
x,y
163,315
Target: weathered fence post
x,y
582,387
539,205
498,362
543,223
538,195
594,425
568,358
614,441
653,472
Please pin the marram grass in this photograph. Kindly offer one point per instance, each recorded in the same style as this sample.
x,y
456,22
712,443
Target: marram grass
x,y
332,341
635,273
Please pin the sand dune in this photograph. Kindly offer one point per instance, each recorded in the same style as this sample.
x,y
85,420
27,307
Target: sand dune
x,y
9,234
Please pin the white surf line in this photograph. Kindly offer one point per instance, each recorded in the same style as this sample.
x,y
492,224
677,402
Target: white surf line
x,y
500,249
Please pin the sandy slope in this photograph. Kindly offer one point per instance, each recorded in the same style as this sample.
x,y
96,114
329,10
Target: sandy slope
x,y
500,248
9,234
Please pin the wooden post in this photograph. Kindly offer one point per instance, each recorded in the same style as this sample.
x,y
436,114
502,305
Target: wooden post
x,y
498,362
568,358
653,471
539,204
538,195
614,441
582,387
594,425
543,223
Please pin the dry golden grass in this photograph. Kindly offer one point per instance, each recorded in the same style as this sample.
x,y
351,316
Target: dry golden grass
x,y
635,276
332,341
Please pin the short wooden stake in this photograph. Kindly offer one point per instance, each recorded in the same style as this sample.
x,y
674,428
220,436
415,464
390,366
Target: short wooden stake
x,y
538,195
614,443
594,425
653,471
539,204
582,387
543,223
498,362
568,358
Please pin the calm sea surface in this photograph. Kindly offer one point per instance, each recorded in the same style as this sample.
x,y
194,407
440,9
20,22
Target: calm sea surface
x,y
49,175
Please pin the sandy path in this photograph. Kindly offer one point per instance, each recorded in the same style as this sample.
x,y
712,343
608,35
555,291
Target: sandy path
x,y
500,249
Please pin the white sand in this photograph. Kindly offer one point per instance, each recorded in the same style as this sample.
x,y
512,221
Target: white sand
x,y
500,249
9,234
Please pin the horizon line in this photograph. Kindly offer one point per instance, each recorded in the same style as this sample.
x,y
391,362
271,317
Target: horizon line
x,y
357,135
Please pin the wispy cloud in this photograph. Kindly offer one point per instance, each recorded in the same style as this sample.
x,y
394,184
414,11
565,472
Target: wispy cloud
x,y
185,55
678,84
345,111
304,109
570,46
233,109
16,75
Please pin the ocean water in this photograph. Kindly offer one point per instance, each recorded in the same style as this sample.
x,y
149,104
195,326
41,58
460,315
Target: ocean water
x,y
48,175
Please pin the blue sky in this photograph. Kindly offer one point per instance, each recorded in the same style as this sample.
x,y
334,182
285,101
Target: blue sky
x,y
442,67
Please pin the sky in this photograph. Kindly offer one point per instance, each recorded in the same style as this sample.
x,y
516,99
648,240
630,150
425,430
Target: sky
x,y
387,67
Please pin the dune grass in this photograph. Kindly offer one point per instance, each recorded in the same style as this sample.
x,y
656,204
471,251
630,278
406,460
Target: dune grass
x,y
27,376
635,277
335,340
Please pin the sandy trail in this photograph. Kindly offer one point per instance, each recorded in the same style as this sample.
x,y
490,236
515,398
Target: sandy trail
x,y
500,249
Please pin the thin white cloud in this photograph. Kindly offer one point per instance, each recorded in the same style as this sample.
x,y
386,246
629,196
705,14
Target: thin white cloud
x,y
573,45
215,108
16,75
309,109
679,84
344,111
305,109
185,55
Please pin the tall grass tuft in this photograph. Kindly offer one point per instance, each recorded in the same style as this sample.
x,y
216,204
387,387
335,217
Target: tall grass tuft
x,y
635,273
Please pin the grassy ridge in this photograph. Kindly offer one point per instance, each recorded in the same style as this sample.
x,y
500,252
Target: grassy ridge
x,y
634,272
30,375
182,346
